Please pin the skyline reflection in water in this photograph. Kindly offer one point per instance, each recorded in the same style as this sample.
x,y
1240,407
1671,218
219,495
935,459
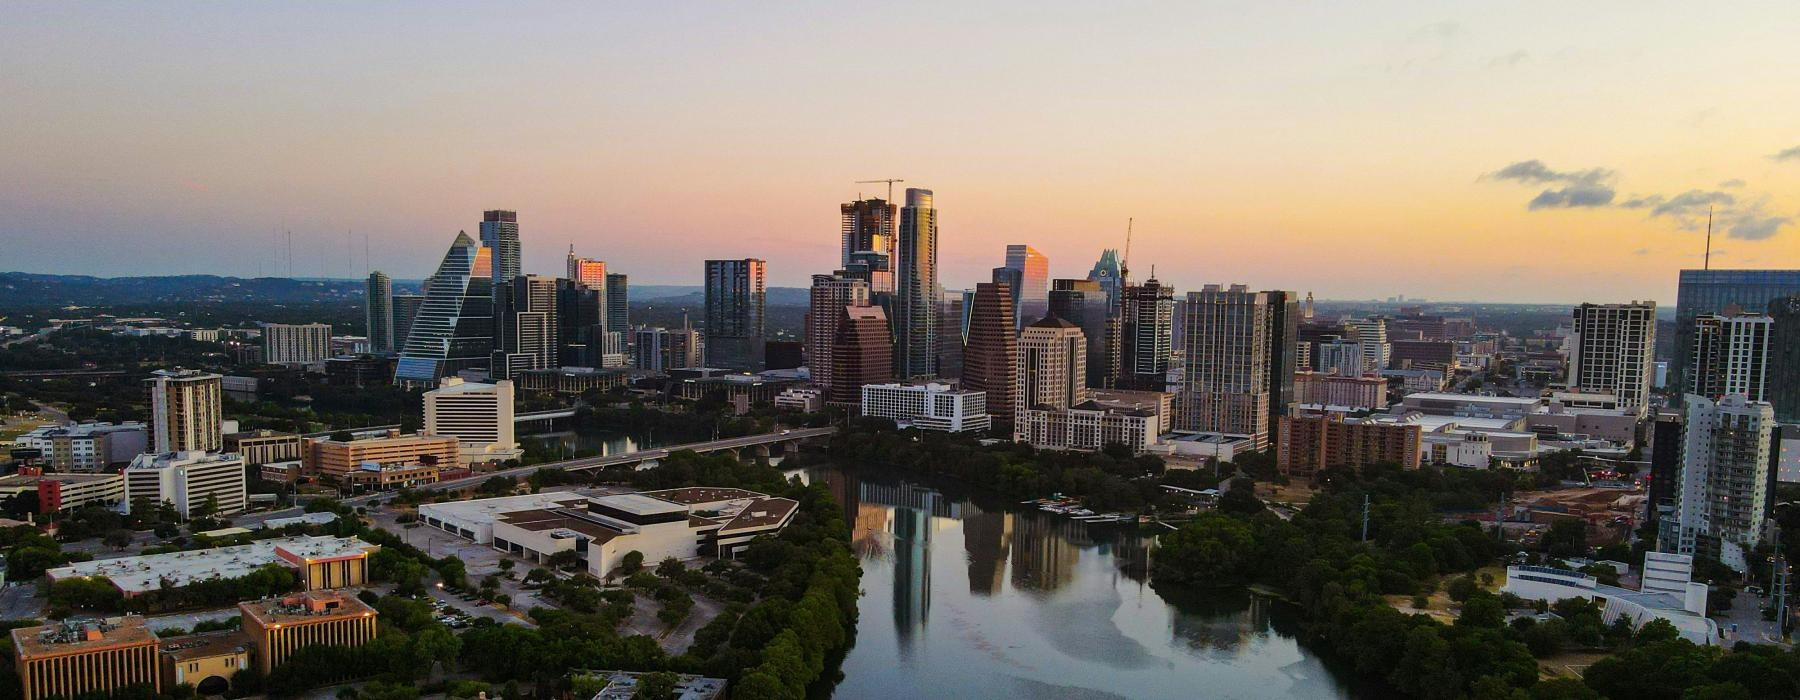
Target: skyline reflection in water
x,y
980,598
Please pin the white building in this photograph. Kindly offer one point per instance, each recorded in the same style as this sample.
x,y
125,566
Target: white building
x,y
1731,356
185,411
1342,357
479,416
1612,350
930,406
1087,427
1372,335
1725,464
86,447
187,480
64,492
141,574
1668,593
802,400
296,344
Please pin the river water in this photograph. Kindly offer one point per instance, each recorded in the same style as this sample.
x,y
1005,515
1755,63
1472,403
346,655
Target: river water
x,y
977,598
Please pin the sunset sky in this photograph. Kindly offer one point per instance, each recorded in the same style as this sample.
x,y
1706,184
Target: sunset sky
x,y
1543,152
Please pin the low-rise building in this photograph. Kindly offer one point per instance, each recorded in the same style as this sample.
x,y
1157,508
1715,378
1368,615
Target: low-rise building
x,y
74,657
364,370
86,447
1161,403
573,380
929,406
277,627
622,685
1310,443
1668,593
322,561
372,477
1332,389
802,400
1221,446
259,447
1088,426
189,481
334,459
58,492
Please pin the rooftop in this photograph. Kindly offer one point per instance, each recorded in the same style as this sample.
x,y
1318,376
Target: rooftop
x,y
623,686
13,480
640,504
487,508
205,645
74,636
190,458
133,575
304,607
567,519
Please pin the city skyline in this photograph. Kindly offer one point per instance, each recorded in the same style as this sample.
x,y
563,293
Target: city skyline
x,y
1246,141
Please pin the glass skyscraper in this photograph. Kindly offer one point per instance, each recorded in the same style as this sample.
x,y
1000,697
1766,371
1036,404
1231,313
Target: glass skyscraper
x,y
500,233
380,312
916,289
1032,291
734,313
1711,292
1106,271
454,327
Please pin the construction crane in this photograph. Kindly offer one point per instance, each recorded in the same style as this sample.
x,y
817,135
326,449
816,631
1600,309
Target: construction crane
x,y
1125,265
890,183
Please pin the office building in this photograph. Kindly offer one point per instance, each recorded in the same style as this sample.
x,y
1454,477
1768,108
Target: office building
x,y
990,358
296,344
333,460
1087,427
259,447
1086,304
916,290
1612,350
1284,356
406,307
1110,277
664,349
861,353
454,328
572,381
1052,365
735,292
500,234
479,416
1731,356
525,326
953,331
1668,593
1226,337
1031,271
1318,388
927,406
1721,291
360,371
1159,403
191,482
278,627
78,658
581,334
1784,359
585,272
828,296
86,447
1371,334
1725,462
1308,444
320,561
867,227
1667,431
1422,354
1344,358
56,491
618,302
184,410
379,313
1147,321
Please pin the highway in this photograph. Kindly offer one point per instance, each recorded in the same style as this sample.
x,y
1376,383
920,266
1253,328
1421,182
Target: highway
x,y
618,459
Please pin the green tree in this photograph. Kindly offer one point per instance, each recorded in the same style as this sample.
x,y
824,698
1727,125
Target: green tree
x,y
659,685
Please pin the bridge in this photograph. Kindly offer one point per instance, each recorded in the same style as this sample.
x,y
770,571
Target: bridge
x,y
760,442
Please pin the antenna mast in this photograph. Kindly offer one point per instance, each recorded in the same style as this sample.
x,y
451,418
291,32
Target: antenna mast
x,y
1707,263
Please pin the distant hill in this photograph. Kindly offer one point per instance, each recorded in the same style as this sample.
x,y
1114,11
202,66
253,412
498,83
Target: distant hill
x,y
695,295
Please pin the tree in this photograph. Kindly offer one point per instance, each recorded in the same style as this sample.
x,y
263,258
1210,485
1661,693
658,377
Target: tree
x,y
118,539
1563,689
631,563
1566,538
1213,549
655,686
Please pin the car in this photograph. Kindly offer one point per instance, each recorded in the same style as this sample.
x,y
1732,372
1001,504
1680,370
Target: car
x,y
1757,590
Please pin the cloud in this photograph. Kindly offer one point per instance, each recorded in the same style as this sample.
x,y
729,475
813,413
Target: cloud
x,y
1789,154
1438,30
1743,217
1509,60
1576,195
1534,172
1754,225
1582,188
1733,183
1641,251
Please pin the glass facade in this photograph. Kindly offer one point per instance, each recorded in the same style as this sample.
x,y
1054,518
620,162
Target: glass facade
x,y
454,327
1711,292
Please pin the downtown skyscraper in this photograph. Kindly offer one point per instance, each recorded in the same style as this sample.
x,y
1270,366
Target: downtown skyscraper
x,y
735,292
1227,337
525,326
618,303
829,295
916,289
1717,291
1612,350
1029,272
585,271
1147,322
500,233
380,312
454,327
1085,304
991,354
1110,277
867,227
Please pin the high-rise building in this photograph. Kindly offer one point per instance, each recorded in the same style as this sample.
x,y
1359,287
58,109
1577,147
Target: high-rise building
x,y
585,272
1052,365
953,331
1372,335
861,353
1718,291
876,269
929,406
1033,274
500,233
867,226
990,357
1284,356
185,411
1085,303
916,290
581,332
734,313
406,307
1226,339
380,312
618,302
1112,280
525,326
454,329
664,349
296,344
1341,357
191,482
1731,356
479,416
1725,465
1784,358
828,296
1613,351
1307,444
1147,321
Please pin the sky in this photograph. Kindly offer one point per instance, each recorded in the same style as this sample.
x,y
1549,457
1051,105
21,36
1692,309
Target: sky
x,y
1530,152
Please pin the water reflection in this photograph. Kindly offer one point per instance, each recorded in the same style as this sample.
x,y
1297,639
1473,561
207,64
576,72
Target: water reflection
x,y
987,599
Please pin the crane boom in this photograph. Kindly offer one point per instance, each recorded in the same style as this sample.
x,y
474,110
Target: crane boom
x,y
890,183
1125,265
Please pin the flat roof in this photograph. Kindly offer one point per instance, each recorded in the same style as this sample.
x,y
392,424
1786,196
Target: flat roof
x,y
205,645
67,478
488,508
305,607
691,495
74,636
761,513
559,519
133,575
1470,398
640,504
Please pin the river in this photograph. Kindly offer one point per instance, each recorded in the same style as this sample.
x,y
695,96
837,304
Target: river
x,y
977,598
